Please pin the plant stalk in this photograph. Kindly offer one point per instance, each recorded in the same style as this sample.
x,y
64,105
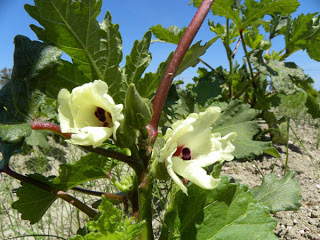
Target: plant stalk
x,y
58,193
145,206
183,46
253,79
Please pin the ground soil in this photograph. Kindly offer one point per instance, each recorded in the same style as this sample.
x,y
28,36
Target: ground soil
x,y
293,225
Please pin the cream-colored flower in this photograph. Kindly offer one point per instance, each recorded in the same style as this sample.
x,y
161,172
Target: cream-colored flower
x,y
190,146
89,113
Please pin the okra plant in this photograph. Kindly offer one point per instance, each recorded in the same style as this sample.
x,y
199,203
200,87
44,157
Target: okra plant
x,y
171,139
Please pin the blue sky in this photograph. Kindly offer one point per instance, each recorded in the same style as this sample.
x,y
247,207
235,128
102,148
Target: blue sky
x,y
135,18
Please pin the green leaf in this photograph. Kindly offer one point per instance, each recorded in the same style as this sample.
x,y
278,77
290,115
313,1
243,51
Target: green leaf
x,y
150,82
172,34
252,11
224,8
227,212
191,59
138,60
14,133
67,76
208,88
272,151
95,48
285,76
255,11
38,138
239,118
303,33
312,95
254,40
34,63
33,202
279,195
88,167
111,226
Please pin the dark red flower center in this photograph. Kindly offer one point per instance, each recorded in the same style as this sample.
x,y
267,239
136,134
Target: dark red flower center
x,y
183,152
106,119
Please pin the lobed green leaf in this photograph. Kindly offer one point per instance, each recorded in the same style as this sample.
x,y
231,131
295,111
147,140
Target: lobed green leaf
x,y
95,48
111,226
33,202
172,34
227,212
279,194
239,118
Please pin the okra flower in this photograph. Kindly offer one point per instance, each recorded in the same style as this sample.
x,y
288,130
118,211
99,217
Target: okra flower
x,y
89,113
190,146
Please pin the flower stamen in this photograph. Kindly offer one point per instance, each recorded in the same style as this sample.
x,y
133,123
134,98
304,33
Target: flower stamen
x,y
183,152
106,119
186,154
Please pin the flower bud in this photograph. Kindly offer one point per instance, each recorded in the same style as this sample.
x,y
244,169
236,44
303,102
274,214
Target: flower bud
x,y
138,109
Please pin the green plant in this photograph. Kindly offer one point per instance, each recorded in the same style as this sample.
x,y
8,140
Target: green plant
x,y
136,129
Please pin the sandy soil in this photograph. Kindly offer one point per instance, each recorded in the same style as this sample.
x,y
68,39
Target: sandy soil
x,y
304,223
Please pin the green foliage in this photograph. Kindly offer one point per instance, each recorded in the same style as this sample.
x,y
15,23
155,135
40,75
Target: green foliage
x,y
191,59
111,226
14,133
227,212
172,34
252,11
38,138
34,63
239,118
95,48
88,167
150,82
303,32
244,92
138,60
33,202
279,195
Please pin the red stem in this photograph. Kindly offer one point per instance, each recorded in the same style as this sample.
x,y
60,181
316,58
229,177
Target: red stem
x,y
35,125
183,46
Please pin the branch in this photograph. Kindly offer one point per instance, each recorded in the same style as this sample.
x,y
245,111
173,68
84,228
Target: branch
x,y
246,53
58,193
36,125
236,48
183,46
99,194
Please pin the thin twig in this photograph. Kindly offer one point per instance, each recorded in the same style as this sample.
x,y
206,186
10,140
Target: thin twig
x,y
183,46
246,53
58,193
236,48
212,69
99,194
